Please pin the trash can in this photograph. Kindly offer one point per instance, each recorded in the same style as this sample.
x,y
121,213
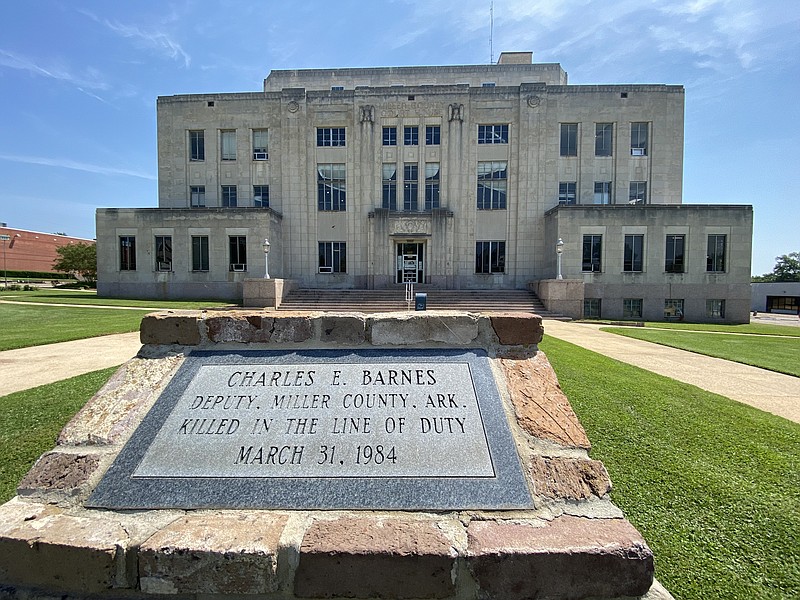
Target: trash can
x,y
420,301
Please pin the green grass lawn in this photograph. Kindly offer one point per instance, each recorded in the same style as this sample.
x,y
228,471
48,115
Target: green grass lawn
x,y
55,296
751,328
775,354
712,484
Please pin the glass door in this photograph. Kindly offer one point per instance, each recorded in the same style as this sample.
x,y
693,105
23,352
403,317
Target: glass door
x,y
410,265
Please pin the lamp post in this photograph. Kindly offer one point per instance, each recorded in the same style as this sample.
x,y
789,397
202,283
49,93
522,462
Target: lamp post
x,y
559,252
265,245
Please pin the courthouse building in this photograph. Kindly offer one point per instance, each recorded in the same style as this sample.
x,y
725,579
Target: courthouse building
x,y
457,177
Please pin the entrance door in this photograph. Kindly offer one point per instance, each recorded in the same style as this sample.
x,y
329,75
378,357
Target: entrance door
x,y
410,267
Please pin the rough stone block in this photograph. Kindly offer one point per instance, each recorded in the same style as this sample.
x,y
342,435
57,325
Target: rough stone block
x,y
367,558
570,558
343,329
569,478
227,553
404,329
59,471
243,328
517,328
291,329
171,328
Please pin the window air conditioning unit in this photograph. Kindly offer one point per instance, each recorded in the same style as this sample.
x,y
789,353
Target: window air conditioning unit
x,y
637,151
326,269
164,266
260,155
238,267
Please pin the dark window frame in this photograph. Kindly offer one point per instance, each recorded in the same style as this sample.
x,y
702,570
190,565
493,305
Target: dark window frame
x,y
675,253
197,145
493,134
603,139
592,253
411,135
229,196
127,253
433,135
331,137
163,253
390,135
332,193
633,253
237,252
261,195
568,192
715,252
492,185
410,187
200,254
568,144
332,257
490,257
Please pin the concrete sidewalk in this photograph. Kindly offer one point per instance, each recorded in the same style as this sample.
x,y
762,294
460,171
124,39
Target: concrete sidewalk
x,y
771,392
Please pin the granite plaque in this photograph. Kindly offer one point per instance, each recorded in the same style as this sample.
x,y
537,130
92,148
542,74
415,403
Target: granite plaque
x,y
369,429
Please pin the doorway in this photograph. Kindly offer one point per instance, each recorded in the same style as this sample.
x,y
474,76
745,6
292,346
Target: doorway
x,y
410,264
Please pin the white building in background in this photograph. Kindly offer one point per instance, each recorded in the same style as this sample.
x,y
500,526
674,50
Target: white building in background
x,y
459,177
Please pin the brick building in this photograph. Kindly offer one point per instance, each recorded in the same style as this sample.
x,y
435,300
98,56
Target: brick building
x,y
32,250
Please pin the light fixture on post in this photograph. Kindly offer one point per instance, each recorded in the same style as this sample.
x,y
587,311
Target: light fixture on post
x,y
559,252
5,239
265,246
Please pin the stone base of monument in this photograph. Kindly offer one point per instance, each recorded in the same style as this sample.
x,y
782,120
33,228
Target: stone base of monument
x,y
157,486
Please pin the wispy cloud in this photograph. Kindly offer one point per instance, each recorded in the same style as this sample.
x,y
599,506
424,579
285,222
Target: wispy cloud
x,y
89,80
66,163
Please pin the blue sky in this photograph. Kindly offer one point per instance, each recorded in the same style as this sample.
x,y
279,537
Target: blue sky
x,y
79,79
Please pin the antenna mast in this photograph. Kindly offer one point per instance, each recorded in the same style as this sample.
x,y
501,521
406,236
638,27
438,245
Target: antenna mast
x,y
491,33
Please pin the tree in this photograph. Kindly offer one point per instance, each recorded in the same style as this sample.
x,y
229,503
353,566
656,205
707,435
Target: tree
x,y
787,268
79,259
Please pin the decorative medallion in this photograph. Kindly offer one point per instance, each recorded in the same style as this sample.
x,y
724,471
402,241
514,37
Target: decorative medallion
x,y
534,101
293,106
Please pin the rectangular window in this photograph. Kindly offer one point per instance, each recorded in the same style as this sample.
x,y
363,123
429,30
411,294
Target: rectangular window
x,y
229,196
197,196
200,253
127,253
673,309
639,139
603,138
237,252
566,192
433,135
330,136
260,144
197,145
569,139
431,186
715,309
634,252
592,251
490,257
163,253
411,136
410,186
492,185
493,134
228,144
591,308
632,308
332,257
389,186
602,192
715,257
390,136
331,187
261,196
638,192
673,262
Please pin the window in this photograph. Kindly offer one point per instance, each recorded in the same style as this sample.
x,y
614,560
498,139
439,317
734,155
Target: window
x,y
337,88
200,253
490,257
631,308
410,186
715,258
591,308
569,139
634,248
163,253
566,192
592,251
331,187
411,136
638,139
261,196
492,134
197,196
237,252
492,185
488,84
433,135
127,253
228,145
638,192
330,136
603,138
602,192
229,197
197,145
260,144
431,186
390,136
389,186
673,262
715,309
673,308
333,257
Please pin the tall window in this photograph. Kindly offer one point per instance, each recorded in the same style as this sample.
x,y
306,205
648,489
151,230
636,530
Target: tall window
x,y
260,144
492,185
638,192
634,252
237,252
197,145
410,186
390,136
602,192
330,136
493,134
715,309
673,262
433,135
228,144
566,192
163,253
200,253
673,308
592,252
631,308
715,257
332,257
331,187
229,196
591,308
411,136
639,139
569,139
197,196
431,186
261,196
603,138
490,257
389,186
127,253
